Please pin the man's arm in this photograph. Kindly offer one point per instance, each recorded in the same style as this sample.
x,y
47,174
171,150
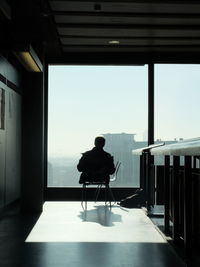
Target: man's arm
x,y
111,166
81,164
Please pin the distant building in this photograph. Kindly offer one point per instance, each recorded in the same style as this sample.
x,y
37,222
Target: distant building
x,y
120,145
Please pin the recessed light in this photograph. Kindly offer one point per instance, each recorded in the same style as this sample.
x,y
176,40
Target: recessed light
x,y
114,42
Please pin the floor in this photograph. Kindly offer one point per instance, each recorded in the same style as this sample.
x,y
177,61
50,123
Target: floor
x,y
66,235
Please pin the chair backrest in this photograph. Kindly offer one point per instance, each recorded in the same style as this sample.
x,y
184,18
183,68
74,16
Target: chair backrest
x,y
114,176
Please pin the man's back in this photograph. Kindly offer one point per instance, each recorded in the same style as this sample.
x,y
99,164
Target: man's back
x,y
96,165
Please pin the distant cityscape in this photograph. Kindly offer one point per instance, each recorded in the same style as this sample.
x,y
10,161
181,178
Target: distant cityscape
x,y
62,171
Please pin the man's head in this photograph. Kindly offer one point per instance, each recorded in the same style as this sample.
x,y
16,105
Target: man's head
x,y
99,141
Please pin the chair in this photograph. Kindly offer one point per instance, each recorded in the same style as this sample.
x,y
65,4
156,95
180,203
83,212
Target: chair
x,y
99,185
114,176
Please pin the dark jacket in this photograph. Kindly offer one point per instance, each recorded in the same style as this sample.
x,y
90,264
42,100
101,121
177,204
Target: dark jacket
x,y
96,165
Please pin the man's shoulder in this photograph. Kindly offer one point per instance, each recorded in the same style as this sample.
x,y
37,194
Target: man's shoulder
x,y
87,153
93,152
107,154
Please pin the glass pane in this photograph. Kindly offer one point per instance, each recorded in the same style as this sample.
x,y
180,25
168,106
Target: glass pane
x,y
88,101
177,94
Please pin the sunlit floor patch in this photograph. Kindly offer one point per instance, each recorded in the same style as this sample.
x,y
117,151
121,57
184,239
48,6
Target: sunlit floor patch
x,y
68,222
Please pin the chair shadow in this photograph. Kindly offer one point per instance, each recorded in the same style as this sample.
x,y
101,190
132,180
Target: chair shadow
x,y
102,215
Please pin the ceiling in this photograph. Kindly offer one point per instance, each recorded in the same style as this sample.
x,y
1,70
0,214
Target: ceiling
x,y
126,28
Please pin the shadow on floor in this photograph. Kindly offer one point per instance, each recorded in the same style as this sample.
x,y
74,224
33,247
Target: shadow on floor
x,y
102,215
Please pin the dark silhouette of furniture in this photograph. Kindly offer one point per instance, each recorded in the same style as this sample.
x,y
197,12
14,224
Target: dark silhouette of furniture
x,y
100,184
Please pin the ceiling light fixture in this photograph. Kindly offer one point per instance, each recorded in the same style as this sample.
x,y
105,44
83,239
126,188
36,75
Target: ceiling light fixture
x,y
28,58
114,42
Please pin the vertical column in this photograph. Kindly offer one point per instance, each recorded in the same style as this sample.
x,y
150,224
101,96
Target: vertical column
x,y
150,104
150,159
175,201
32,143
46,74
166,193
188,220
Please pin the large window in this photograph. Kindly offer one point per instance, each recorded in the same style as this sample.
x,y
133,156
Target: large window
x,y
177,94
87,101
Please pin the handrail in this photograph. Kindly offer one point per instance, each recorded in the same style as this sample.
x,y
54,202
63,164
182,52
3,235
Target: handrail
x,y
139,151
190,147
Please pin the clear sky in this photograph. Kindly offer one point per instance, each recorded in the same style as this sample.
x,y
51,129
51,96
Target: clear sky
x,y
86,101
177,95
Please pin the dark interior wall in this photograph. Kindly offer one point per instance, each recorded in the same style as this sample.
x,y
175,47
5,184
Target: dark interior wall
x,y
33,143
21,140
10,135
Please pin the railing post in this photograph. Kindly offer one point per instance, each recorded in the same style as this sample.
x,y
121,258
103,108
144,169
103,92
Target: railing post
x,y
175,193
166,194
150,181
188,222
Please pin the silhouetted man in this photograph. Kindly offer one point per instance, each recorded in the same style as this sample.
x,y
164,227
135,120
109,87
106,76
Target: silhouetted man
x,y
96,164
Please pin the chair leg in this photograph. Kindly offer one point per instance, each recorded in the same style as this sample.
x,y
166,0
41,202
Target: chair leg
x,y
111,194
84,196
97,192
106,194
